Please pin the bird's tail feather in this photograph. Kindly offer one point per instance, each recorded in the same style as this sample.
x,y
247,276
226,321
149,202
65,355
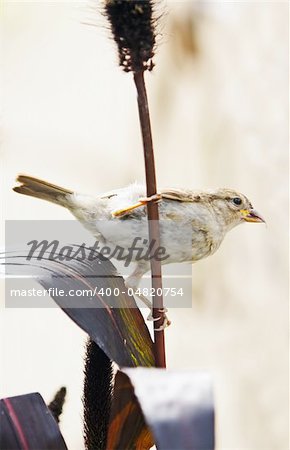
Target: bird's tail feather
x,y
34,187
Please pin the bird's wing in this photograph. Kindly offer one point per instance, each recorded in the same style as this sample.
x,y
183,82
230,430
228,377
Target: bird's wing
x,y
109,195
180,195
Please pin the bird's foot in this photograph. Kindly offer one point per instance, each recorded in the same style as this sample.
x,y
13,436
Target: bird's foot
x,y
150,315
152,198
141,202
163,311
165,324
166,321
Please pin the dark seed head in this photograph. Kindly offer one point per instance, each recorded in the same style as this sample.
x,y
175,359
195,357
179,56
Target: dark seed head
x,y
133,31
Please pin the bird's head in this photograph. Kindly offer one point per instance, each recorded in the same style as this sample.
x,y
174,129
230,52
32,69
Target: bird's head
x,y
234,208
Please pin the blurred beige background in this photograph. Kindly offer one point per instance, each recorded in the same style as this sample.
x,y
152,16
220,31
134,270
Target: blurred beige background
x,y
219,107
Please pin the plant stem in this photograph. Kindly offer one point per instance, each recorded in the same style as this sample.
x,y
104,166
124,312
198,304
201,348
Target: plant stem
x,y
153,217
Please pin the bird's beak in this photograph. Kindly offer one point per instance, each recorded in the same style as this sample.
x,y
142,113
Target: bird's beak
x,y
251,215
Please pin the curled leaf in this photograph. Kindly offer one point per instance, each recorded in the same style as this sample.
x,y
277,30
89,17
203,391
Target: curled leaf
x,y
177,407
105,310
127,429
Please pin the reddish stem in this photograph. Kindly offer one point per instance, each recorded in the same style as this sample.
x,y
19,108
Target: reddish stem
x,y
153,216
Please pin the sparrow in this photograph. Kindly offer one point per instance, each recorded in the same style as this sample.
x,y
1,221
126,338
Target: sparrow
x,y
193,224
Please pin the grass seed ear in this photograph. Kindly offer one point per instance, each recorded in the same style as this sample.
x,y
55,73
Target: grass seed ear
x,y
133,28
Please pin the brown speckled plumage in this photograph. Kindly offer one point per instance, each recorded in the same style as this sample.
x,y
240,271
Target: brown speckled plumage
x,y
193,224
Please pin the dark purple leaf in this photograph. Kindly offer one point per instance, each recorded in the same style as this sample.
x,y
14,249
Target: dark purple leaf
x,y
127,429
27,424
114,322
177,407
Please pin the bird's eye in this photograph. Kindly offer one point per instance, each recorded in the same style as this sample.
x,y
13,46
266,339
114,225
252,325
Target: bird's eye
x,y
237,201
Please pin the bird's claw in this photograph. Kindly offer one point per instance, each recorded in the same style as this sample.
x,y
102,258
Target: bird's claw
x,y
142,201
166,323
152,198
154,319
150,317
